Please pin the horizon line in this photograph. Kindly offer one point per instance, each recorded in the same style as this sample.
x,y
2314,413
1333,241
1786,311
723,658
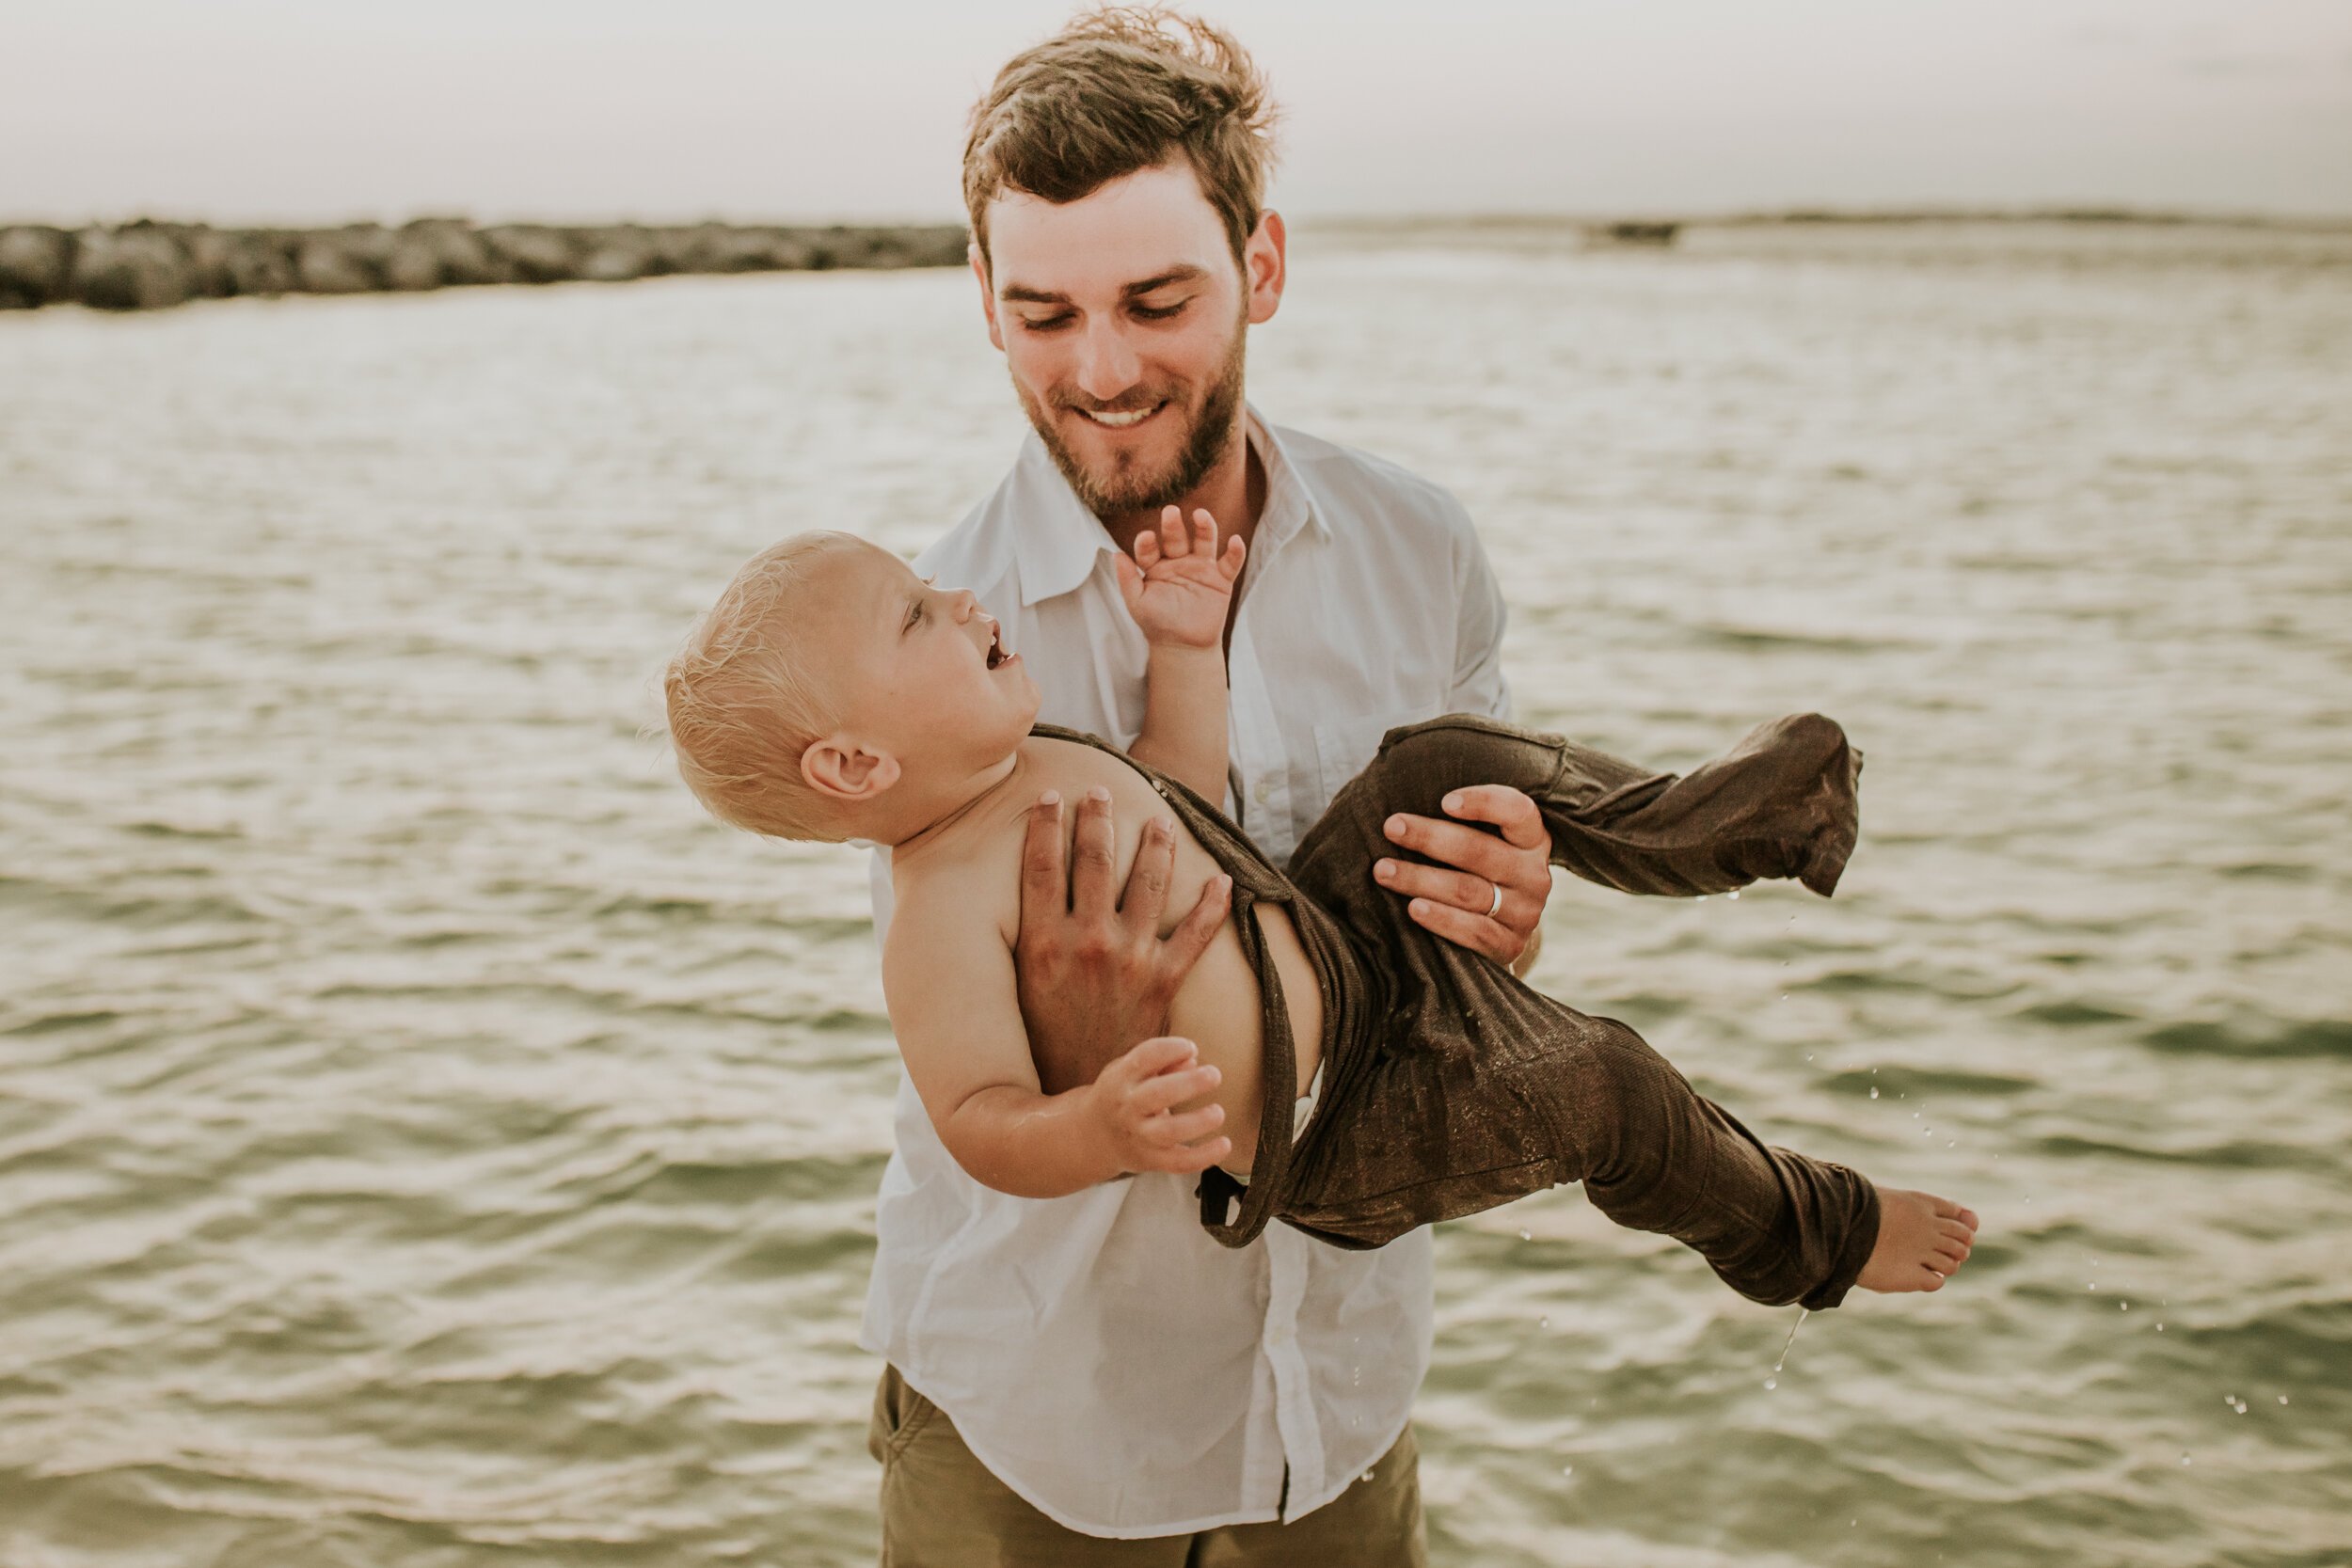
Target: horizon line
x,y
1794,216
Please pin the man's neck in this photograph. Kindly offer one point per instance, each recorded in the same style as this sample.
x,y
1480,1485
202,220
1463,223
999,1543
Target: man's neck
x,y
1233,493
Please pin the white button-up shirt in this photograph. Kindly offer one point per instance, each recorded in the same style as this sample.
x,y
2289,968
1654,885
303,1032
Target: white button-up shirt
x,y
1099,1353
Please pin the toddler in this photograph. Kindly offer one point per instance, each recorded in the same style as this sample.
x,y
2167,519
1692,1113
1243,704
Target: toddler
x,y
1329,1062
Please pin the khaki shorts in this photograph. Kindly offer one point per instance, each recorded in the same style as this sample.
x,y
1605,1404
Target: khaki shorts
x,y
941,1509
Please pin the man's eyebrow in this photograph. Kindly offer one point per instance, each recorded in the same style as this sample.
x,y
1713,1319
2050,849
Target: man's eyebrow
x,y
1021,294
1187,274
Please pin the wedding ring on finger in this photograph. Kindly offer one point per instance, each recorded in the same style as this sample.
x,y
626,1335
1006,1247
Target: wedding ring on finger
x,y
1496,908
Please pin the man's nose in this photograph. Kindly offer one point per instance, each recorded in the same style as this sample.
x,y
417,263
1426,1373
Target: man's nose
x,y
1107,367
966,603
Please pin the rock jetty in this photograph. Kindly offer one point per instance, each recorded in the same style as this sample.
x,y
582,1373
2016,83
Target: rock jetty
x,y
1633,232
146,265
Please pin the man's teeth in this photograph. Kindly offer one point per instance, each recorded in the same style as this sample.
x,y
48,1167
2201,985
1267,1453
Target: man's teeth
x,y
1119,422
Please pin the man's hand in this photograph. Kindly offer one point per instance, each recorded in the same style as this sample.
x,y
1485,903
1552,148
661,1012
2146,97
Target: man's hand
x,y
1134,1105
1095,973
1179,587
1456,898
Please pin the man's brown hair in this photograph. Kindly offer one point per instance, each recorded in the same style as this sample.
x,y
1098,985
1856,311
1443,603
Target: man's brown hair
x,y
1123,88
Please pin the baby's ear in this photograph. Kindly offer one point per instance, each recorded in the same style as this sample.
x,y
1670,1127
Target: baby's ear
x,y
844,770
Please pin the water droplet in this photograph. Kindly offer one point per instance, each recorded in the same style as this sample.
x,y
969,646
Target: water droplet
x,y
2229,1399
1527,1235
1567,1469
1874,1091
2184,1459
2123,1305
2160,1328
1544,1322
2091,1287
1367,1475
1802,1313
1735,893
1772,1383
2283,1399
1784,999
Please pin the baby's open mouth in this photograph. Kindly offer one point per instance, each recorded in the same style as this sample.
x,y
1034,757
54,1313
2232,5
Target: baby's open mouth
x,y
996,653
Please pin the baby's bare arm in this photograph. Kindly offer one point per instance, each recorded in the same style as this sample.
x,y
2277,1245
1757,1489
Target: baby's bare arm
x,y
1180,588
948,974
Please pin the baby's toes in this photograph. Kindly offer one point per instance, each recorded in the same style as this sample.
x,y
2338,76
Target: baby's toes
x,y
1947,1209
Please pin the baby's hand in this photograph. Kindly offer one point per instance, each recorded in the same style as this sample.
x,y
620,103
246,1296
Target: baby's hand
x,y
1135,1101
1177,587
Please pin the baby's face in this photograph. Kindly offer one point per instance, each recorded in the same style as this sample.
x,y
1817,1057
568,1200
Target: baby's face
x,y
922,670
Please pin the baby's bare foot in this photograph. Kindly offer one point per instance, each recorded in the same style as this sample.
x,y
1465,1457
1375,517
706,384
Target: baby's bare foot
x,y
1922,1238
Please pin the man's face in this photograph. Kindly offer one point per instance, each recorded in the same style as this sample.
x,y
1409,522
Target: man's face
x,y
1122,318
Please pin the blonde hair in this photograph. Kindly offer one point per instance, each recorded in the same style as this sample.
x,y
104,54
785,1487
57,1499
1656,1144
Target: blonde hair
x,y
741,707
1119,89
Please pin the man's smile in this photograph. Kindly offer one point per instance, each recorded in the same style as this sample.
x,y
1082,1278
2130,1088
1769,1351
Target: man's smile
x,y
1123,418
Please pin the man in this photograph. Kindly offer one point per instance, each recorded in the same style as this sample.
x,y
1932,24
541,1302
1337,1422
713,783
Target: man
x,y
1093,1379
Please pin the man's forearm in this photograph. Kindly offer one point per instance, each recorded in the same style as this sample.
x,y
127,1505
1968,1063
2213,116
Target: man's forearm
x,y
1183,717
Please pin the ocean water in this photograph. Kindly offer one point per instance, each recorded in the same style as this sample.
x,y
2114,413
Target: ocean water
x,y
424,1140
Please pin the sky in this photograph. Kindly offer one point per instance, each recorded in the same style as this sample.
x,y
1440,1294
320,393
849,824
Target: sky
x,y
267,111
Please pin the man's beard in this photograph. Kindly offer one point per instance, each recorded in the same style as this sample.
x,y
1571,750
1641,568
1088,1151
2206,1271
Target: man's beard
x,y
1130,490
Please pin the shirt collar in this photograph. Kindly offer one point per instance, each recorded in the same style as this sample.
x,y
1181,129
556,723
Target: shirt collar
x,y
1290,505
1059,544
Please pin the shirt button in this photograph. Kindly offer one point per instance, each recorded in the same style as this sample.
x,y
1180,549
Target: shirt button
x,y
1265,791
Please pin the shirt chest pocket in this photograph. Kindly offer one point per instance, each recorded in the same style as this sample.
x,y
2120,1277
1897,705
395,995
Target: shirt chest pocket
x,y
1342,746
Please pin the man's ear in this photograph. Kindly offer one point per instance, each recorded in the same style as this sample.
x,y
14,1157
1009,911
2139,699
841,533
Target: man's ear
x,y
846,772
979,259
1266,266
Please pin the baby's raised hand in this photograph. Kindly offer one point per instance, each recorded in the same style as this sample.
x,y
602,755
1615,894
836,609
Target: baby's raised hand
x,y
1177,585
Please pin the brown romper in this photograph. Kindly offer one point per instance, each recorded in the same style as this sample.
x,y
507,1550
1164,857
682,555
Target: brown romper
x,y
1449,1087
